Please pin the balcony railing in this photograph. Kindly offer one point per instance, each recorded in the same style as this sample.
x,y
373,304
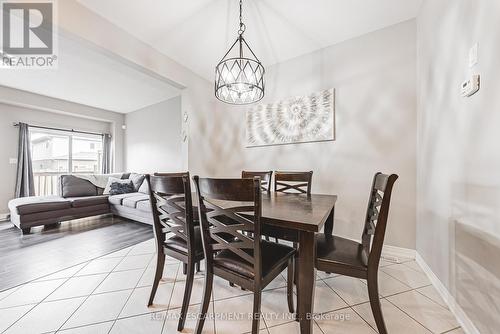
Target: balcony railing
x,y
46,183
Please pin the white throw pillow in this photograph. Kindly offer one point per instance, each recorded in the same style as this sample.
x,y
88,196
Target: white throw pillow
x,y
113,180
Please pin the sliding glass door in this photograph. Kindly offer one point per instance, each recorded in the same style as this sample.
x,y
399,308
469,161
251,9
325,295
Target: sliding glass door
x,y
60,152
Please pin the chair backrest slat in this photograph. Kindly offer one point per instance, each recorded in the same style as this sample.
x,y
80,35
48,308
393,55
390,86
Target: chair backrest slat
x,y
265,178
230,211
293,182
376,217
171,204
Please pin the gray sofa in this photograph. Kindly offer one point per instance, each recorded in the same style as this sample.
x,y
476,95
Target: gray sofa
x,y
79,198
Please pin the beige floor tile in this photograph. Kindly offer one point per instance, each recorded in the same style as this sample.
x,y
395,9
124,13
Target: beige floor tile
x,y
101,328
414,265
388,285
292,327
137,303
431,293
351,290
99,308
66,273
77,287
325,299
234,315
146,247
7,292
425,311
456,331
407,275
274,307
131,262
31,293
141,324
396,320
99,266
46,317
120,280
169,274
178,293
10,315
278,282
120,253
172,321
343,321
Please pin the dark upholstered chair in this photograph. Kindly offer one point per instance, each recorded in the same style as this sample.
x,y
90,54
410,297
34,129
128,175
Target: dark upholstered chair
x,y
230,217
346,257
265,178
170,196
293,182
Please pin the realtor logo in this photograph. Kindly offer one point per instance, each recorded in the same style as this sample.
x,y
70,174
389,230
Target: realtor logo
x,y
28,34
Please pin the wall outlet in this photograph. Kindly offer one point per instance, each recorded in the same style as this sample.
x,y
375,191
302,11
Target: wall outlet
x,y
13,161
473,55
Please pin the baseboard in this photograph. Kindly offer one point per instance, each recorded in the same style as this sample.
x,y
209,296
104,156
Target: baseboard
x,y
4,217
462,318
396,254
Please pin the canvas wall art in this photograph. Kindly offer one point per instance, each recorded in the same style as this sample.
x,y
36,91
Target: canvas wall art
x,y
298,119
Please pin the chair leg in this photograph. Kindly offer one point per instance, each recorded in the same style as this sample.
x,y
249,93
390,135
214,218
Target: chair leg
x,y
231,284
207,292
184,268
375,304
160,263
187,295
296,264
198,267
256,311
289,285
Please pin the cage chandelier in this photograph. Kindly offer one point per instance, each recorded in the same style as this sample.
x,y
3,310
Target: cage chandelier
x,y
239,79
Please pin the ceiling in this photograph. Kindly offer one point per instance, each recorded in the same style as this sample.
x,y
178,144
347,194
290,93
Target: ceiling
x,y
90,77
197,33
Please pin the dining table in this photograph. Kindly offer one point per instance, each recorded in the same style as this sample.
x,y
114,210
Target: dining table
x,y
297,218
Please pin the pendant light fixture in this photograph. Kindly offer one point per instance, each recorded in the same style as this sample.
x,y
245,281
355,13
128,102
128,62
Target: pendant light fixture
x,y
239,76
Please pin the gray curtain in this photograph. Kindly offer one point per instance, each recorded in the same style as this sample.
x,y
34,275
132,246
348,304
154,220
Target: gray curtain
x,y
106,154
25,185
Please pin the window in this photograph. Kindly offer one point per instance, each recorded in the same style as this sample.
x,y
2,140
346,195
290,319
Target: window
x,y
60,152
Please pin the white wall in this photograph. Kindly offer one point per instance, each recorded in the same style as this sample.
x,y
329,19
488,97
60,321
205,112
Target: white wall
x,y
153,138
458,229
374,77
9,136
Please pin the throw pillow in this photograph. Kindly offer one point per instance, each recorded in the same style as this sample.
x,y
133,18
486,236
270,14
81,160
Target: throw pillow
x,y
112,180
118,188
137,180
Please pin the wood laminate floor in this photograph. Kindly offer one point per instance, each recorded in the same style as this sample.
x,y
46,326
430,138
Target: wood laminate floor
x,y
24,258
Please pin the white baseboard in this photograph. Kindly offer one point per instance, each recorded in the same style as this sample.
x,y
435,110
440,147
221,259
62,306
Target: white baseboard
x,y
396,254
4,217
462,318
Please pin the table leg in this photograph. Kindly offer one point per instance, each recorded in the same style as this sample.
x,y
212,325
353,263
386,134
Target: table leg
x,y
329,222
306,281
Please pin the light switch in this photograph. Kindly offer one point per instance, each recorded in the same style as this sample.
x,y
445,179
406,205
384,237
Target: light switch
x,y
473,55
13,161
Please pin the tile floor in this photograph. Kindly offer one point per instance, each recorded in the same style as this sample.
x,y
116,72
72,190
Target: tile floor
x,y
109,295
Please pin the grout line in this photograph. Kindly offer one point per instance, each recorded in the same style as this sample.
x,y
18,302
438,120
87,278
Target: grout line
x,y
130,295
86,298
366,321
399,308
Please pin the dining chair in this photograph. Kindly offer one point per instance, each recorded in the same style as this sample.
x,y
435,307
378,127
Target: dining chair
x,y
265,178
361,260
293,182
174,228
232,207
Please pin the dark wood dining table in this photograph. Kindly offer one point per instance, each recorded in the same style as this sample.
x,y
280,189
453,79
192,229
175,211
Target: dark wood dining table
x,y
297,218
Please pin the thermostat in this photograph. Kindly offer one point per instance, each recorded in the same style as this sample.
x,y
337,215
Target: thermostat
x,y
471,86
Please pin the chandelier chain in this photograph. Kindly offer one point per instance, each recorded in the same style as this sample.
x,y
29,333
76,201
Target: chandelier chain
x,y
242,25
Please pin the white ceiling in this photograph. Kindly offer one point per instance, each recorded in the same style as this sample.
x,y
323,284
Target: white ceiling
x,y
197,33
87,76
